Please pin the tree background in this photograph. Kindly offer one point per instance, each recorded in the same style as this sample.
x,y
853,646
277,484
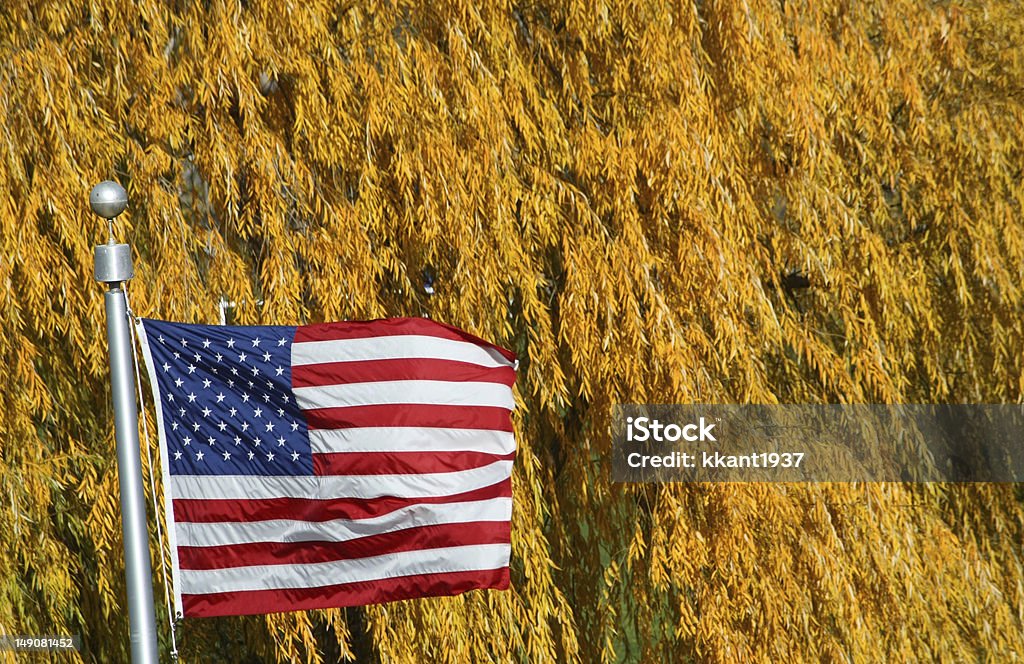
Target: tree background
x,y
722,200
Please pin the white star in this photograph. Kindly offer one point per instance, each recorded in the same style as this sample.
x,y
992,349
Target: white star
x,y
170,397
295,426
280,412
238,441
256,442
206,343
219,357
227,455
160,338
245,397
167,367
191,397
282,341
266,398
197,356
181,411
222,426
191,368
184,344
206,412
266,357
284,398
270,384
251,455
231,383
234,372
245,426
187,441
270,426
252,384
255,371
174,426
295,456
231,343
280,441
206,383
256,342
177,355
232,411
177,455
178,382
195,426
199,456
220,397
211,440
258,412
270,456
241,358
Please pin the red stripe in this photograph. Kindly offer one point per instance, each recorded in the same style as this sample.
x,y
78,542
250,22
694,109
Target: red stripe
x,y
368,371
305,509
410,415
307,553
402,463
251,602
387,327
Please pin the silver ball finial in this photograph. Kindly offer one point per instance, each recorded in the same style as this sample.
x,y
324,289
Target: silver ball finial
x,y
108,199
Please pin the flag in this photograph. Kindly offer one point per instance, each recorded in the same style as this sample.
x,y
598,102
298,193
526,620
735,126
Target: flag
x,y
331,465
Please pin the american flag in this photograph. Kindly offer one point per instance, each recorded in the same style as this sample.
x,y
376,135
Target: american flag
x,y
330,465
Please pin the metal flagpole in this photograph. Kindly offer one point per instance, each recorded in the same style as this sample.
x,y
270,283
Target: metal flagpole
x,y
113,266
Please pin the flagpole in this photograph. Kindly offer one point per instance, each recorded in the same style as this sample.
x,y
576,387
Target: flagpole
x,y
113,266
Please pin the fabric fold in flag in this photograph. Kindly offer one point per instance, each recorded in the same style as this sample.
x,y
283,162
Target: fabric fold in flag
x,y
331,465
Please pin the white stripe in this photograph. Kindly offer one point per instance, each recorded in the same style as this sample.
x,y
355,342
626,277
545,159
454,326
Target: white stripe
x,y
342,530
411,439
403,346
313,575
262,487
431,392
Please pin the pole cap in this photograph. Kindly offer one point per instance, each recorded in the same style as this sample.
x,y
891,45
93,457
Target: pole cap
x,y
108,199
113,263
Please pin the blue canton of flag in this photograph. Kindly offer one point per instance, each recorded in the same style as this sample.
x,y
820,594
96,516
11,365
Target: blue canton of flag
x,y
227,400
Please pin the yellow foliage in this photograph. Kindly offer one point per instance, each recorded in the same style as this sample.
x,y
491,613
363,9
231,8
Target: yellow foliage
x,y
721,201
